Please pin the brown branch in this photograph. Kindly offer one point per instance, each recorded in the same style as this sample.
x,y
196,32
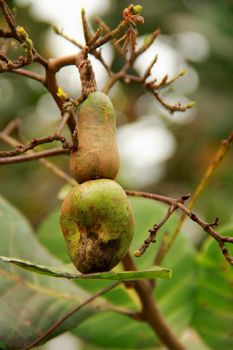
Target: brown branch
x,y
149,68
6,65
129,18
86,72
14,33
221,153
107,29
95,53
34,156
115,77
207,227
178,107
57,171
62,123
150,312
153,232
39,59
4,136
69,314
150,40
68,38
99,57
86,31
54,65
155,88
28,74
109,36
151,86
122,74
96,35
34,143
9,18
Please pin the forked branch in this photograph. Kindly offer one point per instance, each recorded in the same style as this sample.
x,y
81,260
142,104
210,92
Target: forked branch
x,y
207,227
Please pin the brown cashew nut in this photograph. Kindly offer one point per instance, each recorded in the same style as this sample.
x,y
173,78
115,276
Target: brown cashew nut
x,y
97,155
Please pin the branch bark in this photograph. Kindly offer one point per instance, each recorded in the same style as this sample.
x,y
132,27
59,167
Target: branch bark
x,y
69,314
34,156
150,311
207,227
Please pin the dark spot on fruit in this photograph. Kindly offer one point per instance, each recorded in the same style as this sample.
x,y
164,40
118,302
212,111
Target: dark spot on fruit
x,y
92,235
101,257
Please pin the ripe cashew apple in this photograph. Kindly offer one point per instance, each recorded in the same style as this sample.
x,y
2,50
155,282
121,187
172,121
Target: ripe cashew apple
x,y
98,225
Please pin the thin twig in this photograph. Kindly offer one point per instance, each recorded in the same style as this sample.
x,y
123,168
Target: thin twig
x,y
68,38
28,74
221,153
107,29
69,314
9,18
62,123
149,68
178,107
95,53
151,86
34,156
147,43
54,65
109,36
86,31
34,143
153,232
207,227
115,77
56,170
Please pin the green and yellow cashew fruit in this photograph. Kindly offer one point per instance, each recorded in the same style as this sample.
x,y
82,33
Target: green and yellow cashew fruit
x,y
97,155
98,225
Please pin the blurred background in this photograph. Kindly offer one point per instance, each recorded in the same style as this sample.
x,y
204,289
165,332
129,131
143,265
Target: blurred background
x,y
160,152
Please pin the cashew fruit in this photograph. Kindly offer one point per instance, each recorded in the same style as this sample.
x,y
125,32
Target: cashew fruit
x,y
98,225
97,155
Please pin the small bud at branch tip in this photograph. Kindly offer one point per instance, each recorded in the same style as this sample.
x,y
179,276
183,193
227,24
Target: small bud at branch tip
x,y
191,104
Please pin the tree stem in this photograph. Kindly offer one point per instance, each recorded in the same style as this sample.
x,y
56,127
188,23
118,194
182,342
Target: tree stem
x,y
150,311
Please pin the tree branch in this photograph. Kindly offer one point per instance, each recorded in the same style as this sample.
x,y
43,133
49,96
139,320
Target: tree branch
x,y
42,338
207,227
13,142
29,74
221,153
9,18
36,142
150,311
34,156
153,232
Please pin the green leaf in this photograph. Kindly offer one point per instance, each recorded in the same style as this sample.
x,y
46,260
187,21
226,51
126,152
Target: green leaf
x,y
50,235
114,331
175,297
213,318
30,303
69,271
